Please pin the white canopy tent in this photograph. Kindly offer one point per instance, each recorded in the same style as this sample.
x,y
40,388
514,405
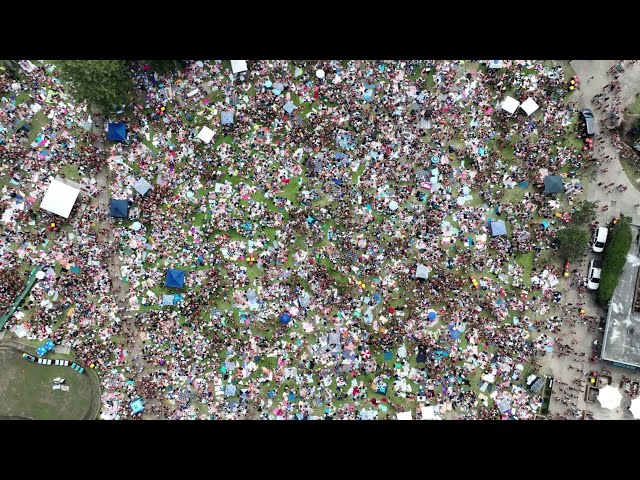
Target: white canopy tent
x,y
238,66
529,106
404,415
510,104
609,397
60,198
635,408
430,413
206,134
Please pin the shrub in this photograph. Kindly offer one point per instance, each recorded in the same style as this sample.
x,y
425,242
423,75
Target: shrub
x,y
614,258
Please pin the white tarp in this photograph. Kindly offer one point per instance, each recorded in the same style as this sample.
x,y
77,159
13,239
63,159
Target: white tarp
x,y
206,134
510,104
60,198
609,397
238,66
404,415
529,106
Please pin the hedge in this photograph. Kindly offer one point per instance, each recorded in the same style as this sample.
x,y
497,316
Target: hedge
x,y
614,258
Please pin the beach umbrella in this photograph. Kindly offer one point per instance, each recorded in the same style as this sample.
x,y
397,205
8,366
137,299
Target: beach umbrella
x,y
433,316
609,397
635,407
393,205
285,318
320,73
268,84
294,311
366,353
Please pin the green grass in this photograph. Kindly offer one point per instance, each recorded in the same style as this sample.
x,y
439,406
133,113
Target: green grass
x,y
25,389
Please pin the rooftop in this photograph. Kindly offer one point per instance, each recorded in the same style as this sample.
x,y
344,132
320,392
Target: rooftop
x,y
621,342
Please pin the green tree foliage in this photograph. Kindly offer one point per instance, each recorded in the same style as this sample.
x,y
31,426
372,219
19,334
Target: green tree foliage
x,y
614,258
164,66
584,213
10,67
573,242
105,84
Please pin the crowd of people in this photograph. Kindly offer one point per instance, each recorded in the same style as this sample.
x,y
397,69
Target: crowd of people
x,y
301,228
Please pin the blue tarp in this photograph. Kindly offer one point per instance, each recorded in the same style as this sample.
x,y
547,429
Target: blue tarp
x,y
175,278
119,208
498,228
136,406
117,132
553,184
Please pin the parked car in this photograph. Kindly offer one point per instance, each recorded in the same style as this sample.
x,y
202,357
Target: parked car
x,y
599,239
595,270
590,127
31,358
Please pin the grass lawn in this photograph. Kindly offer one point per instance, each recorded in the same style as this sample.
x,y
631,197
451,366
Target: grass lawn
x,y
25,390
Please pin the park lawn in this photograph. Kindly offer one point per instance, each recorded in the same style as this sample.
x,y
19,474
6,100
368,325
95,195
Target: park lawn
x,y
38,121
25,389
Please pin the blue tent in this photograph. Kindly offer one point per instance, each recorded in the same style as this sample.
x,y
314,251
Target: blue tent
x,y
119,208
136,406
175,278
498,228
553,184
117,132
285,318
226,118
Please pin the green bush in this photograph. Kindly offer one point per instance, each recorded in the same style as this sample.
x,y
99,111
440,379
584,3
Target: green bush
x,y
614,258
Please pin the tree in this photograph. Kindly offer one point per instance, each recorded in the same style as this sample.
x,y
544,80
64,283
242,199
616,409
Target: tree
x,y
614,258
105,84
584,213
164,66
10,67
573,242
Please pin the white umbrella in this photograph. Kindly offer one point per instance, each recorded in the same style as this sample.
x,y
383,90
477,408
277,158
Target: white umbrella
x,y
635,407
393,205
609,397
320,73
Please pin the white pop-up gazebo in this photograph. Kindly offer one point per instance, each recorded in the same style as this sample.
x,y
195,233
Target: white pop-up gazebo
x,y
60,198
404,415
609,397
529,106
510,104
206,134
635,408
238,66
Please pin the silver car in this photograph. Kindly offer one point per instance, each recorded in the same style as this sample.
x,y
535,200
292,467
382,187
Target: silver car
x,y
595,270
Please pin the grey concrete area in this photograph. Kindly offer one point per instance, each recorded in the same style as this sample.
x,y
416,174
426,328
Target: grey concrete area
x,y
622,334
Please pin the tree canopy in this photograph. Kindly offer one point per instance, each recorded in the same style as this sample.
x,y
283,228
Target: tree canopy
x,y
584,212
105,84
573,242
614,258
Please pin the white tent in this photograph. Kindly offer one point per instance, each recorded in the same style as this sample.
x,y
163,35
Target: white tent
x,y
609,397
510,104
635,407
238,66
404,415
529,106
206,134
429,413
60,198
142,186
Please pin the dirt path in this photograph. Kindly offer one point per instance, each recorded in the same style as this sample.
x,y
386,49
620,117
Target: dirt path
x,y
134,359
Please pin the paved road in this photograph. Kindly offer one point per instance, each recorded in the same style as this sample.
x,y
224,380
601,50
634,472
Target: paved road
x,y
573,367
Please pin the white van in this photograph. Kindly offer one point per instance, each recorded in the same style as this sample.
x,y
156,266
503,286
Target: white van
x,y
599,239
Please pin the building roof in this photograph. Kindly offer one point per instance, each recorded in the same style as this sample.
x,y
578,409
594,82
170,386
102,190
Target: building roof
x,y
621,343
59,199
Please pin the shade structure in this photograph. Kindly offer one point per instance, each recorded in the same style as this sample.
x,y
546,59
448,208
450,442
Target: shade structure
x,y
136,406
117,132
60,198
422,272
553,184
226,117
175,278
206,134
404,415
119,208
285,318
289,107
320,73
635,408
142,186
510,104
238,66
609,397
529,106
494,64
498,227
